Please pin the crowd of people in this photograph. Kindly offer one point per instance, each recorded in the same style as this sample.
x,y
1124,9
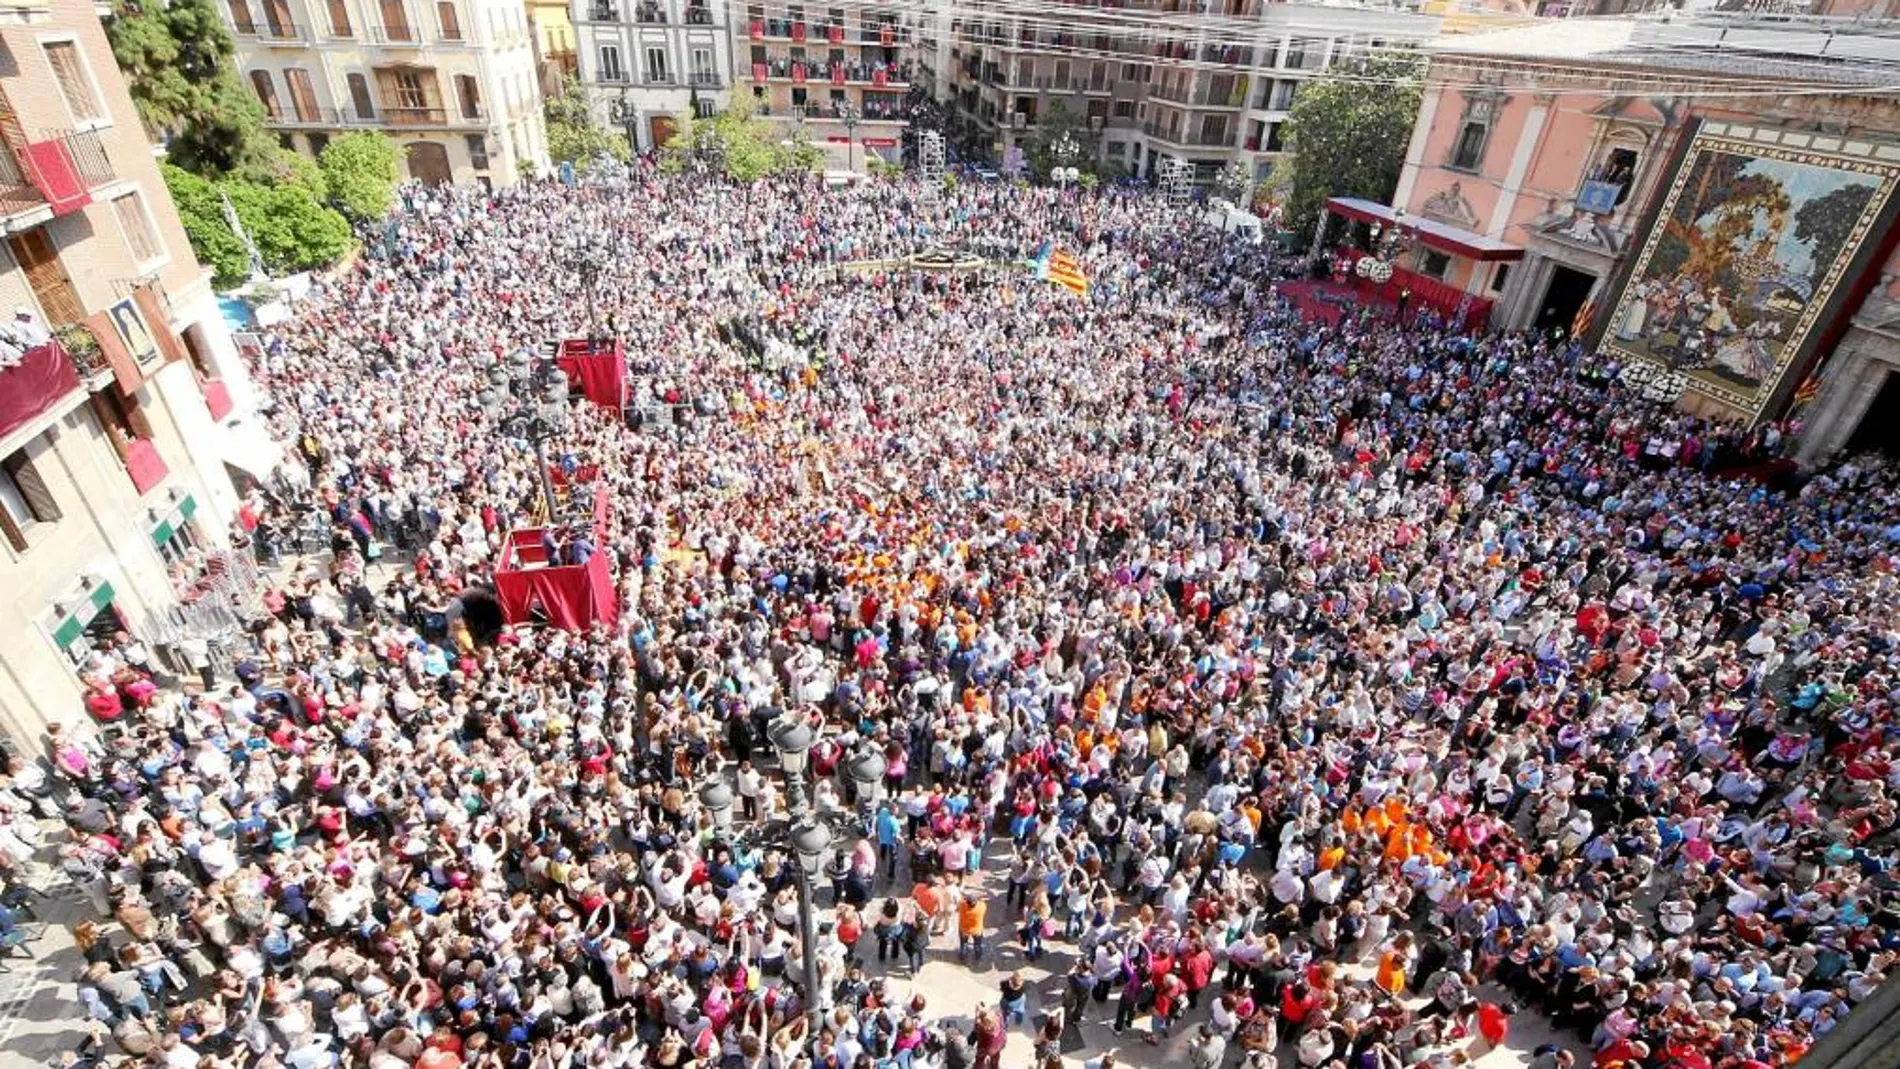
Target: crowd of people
x,y
1295,694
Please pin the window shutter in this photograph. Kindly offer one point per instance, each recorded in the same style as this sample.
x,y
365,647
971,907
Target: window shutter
x,y
26,479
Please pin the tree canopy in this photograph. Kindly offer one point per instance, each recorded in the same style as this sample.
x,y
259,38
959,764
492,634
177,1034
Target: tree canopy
x,y
573,135
738,143
177,59
361,171
1348,132
1051,127
288,220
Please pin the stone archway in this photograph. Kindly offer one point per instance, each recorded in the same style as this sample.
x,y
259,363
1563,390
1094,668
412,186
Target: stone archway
x,y
428,163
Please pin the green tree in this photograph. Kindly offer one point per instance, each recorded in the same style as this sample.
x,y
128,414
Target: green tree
x,y
177,60
573,135
737,143
1055,124
1348,131
294,231
201,210
361,171
1825,223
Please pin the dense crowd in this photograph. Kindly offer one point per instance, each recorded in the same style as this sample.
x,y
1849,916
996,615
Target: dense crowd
x,y
1297,694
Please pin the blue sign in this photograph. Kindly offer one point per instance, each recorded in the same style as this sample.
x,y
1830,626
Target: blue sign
x,y
1598,198
567,173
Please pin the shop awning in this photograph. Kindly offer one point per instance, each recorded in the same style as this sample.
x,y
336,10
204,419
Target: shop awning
x,y
248,446
1445,238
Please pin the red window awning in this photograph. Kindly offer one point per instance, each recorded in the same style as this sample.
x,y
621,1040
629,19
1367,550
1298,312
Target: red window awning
x,y
1443,237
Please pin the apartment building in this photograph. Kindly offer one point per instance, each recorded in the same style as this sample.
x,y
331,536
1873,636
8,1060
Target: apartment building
x,y
1156,79
840,75
551,26
453,81
124,409
647,62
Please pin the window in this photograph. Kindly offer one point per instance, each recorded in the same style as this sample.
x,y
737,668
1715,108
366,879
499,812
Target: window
x,y
1214,130
360,98
1434,263
24,500
656,65
1469,152
277,17
395,20
241,17
69,69
451,22
1497,278
303,94
1276,138
478,152
139,236
703,66
1131,72
267,93
319,142
610,69
1124,109
409,90
1116,149
800,97
340,18
469,96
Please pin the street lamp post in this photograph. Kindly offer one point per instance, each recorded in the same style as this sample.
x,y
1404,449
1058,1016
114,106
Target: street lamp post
x,y
848,115
529,400
587,261
809,836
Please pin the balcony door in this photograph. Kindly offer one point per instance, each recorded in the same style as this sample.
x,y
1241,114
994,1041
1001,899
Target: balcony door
x,y
46,276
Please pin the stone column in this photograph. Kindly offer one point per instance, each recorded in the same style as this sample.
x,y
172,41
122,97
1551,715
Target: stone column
x,y
1849,384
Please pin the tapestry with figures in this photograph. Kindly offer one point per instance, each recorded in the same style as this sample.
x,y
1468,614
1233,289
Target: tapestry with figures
x,y
1760,233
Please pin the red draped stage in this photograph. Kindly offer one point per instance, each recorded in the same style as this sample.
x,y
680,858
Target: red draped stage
x,y
572,596
596,369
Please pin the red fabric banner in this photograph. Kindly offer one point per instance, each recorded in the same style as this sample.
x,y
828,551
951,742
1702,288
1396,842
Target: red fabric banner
x,y
758,30
798,73
758,72
143,463
572,597
878,76
798,31
56,177
43,376
837,75
598,371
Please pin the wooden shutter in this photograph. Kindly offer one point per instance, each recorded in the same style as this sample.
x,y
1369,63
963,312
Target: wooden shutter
x,y
340,18
46,277
26,479
360,98
169,347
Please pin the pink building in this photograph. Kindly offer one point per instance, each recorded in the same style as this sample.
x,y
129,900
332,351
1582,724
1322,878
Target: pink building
x,y
1573,173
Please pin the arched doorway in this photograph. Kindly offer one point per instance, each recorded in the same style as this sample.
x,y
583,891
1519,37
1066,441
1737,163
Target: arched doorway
x,y
428,163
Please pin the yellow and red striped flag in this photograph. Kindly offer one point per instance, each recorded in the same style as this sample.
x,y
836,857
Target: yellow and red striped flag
x,y
1063,269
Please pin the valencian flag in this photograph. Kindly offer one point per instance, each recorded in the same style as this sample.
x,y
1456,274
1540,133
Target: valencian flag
x,y
1062,268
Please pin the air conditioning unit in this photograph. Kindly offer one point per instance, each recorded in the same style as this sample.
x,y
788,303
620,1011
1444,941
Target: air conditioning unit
x,y
1096,122
1018,120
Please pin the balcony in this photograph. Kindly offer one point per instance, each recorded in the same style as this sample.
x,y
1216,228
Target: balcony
x,y
660,78
428,116
306,118
603,11
400,36
880,75
28,389
650,14
699,16
25,12
283,35
56,172
703,80
1222,139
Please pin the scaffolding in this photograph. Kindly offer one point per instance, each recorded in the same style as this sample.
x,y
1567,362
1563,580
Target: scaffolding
x,y
1175,179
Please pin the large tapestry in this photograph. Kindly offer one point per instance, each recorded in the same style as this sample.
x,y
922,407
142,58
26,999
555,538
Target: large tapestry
x,y
1753,242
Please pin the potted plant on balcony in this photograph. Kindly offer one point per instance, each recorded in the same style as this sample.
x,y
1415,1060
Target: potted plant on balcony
x,y
82,347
